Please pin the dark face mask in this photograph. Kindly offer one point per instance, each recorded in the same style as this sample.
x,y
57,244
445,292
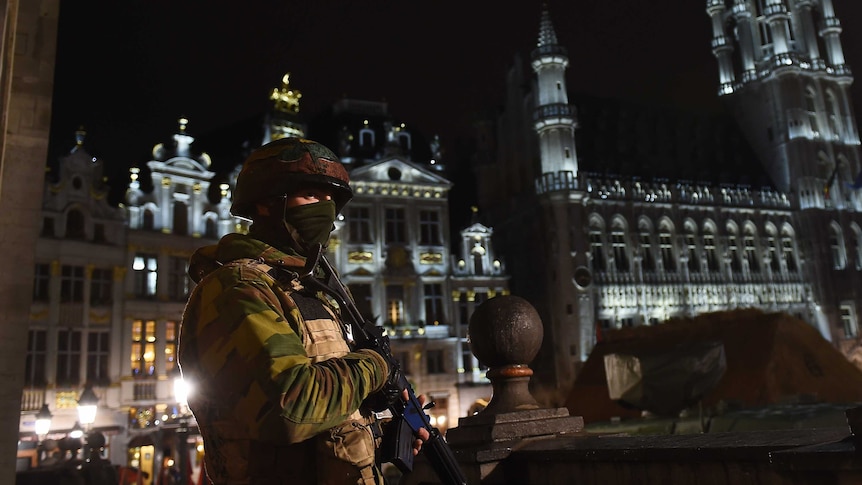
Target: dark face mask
x,y
313,222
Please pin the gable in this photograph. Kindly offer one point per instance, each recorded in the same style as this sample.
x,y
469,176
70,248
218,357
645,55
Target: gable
x,y
396,170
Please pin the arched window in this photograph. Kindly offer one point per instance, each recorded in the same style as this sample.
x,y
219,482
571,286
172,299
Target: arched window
x,y
857,246
404,141
772,249
811,110
598,259
620,246
665,244
836,244
765,32
733,248
478,255
710,250
149,220
211,230
645,245
833,113
181,218
750,248
691,248
366,137
788,249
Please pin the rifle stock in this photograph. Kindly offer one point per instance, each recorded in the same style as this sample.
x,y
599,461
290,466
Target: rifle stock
x,y
408,417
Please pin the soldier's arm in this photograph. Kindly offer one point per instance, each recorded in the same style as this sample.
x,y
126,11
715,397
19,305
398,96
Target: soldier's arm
x,y
257,361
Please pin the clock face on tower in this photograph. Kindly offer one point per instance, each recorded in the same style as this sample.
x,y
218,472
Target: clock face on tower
x,y
582,278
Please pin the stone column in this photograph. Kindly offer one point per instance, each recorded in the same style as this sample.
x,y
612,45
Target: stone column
x,y
28,38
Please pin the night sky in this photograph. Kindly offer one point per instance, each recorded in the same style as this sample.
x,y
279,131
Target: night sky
x,y
128,70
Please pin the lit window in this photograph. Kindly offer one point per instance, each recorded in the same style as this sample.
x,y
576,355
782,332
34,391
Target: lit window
x,y
395,305
143,354
145,269
171,347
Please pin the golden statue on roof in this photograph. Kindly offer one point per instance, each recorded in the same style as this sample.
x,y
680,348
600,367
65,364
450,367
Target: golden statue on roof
x,y
286,99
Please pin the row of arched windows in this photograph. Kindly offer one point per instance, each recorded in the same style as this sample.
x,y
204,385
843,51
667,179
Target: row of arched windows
x,y
696,248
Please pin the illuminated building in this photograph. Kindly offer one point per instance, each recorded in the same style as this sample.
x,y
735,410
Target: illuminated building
x,y
111,284
619,215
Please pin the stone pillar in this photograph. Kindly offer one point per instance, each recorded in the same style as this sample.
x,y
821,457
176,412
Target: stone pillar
x,y
505,335
28,38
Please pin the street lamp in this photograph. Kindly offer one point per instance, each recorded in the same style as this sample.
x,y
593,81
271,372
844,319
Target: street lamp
x,y
43,425
181,394
87,405
43,422
76,432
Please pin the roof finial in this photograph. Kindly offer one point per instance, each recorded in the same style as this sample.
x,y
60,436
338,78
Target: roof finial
x,y
80,134
286,99
183,123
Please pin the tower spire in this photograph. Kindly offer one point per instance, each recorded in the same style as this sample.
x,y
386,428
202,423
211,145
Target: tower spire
x,y
555,117
547,34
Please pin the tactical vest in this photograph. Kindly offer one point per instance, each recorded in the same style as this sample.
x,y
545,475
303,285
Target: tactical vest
x,y
345,454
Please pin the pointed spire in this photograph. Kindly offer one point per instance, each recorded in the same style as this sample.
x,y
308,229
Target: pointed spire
x,y
547,35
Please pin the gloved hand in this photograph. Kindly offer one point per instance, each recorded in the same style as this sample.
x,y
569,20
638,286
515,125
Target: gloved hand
x,y
390,393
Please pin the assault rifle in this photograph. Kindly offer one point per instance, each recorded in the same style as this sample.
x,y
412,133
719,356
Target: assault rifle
x,y
408,417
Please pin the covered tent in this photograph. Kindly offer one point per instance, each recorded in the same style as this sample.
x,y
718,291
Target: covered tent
x,y
770,358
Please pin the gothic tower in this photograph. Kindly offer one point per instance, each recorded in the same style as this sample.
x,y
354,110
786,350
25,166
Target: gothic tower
x,y
783,73
782,69
569,322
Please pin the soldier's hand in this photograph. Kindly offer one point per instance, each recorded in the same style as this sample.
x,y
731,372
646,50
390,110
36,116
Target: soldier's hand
x,y
423,433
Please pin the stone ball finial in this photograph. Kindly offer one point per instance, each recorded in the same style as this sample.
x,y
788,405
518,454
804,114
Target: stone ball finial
x,y
505,330
505,335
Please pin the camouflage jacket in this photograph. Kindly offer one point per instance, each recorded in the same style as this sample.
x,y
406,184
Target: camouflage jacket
x,y
277,389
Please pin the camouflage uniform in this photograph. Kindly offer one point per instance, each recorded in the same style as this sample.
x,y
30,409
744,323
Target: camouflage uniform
x,y
277,387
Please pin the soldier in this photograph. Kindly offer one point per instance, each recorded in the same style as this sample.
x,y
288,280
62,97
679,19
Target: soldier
x,y
278,389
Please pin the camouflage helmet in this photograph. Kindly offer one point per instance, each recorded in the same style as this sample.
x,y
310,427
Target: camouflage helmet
x,y
283,165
